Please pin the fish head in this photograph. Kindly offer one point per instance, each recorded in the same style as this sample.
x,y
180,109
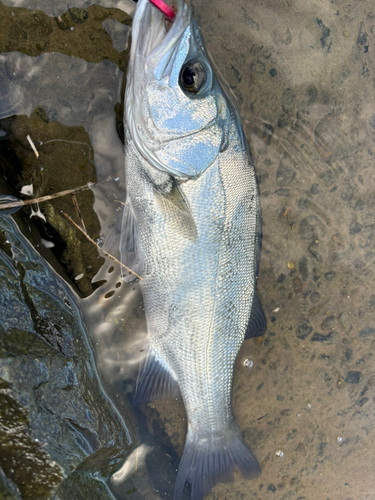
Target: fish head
x,y
175,109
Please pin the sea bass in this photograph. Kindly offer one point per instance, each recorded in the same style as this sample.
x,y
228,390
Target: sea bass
x,y
191,231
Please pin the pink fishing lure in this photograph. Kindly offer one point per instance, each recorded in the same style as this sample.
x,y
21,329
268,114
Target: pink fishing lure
x,y
167,11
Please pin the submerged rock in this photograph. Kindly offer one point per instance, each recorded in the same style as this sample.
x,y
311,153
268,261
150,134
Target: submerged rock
x,y
55,417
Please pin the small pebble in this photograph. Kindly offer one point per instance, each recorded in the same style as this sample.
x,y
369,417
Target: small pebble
x,y
354,377
248,363
340,383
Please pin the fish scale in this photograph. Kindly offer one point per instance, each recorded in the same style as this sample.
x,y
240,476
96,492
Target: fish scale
x,y
191,230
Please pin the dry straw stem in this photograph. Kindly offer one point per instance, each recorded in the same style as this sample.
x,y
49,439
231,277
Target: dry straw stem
x,y
78,212
99,248
34,201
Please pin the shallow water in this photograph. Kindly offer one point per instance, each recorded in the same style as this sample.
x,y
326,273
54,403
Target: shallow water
x,y
303,79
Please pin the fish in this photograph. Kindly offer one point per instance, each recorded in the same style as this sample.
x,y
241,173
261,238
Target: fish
x,y
191,229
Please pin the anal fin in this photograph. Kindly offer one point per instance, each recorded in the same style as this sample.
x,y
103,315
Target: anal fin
x,y
155,381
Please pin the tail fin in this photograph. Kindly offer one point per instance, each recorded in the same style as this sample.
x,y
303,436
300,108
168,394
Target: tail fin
x,y
206,462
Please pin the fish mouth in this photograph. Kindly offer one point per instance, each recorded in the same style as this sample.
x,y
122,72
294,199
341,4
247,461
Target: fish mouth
x,y
153,35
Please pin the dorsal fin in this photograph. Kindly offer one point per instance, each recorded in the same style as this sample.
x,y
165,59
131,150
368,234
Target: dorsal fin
x,y
257,323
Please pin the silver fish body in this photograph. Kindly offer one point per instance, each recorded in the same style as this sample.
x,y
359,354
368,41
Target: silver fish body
x,y
190,229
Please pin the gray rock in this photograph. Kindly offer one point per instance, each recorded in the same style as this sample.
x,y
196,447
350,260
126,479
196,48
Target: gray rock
x,y
347,194
372,121
325,39
119,33
353,377
313,249
307,228
355,227
318,337
360,205
282,192
287,101
303,203
285,174
330,275
271,487
282,120
328,323
54,414
258,67
368,331
315,297
8,490
303,331
303,268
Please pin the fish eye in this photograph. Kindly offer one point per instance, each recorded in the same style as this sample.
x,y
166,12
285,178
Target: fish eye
x,y
193,77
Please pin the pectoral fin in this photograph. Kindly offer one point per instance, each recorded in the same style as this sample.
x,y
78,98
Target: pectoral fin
x,y
131,253
179,213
